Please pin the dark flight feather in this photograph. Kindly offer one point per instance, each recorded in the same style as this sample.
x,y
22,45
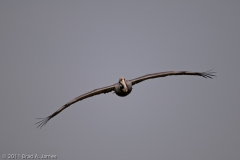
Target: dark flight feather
x,y
107,89
207,74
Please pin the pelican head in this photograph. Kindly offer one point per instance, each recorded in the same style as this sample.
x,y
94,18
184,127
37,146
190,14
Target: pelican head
x,y
123,85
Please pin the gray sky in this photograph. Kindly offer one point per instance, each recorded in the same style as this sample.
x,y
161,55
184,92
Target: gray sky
x,y
53,51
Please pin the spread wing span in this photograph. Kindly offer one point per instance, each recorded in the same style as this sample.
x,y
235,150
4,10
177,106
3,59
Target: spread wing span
x,y
104,90
43,121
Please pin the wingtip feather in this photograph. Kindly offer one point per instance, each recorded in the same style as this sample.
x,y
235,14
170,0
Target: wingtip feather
x,y
42,122
208,74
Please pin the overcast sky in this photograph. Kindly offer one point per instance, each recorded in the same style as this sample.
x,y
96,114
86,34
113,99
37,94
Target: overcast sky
x,y
54,51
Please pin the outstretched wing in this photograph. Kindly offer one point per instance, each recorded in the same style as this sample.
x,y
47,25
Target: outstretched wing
x,y
104,90
207,74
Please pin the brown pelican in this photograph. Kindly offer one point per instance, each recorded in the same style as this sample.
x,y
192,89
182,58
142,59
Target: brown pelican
x,y
122,88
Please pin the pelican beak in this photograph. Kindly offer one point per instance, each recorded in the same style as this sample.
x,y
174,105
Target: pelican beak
x,y
125,89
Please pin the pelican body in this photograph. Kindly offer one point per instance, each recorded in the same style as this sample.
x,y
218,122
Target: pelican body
x,y
122,88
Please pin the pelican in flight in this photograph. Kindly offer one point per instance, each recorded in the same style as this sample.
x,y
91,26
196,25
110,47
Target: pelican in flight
x,y
122,88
